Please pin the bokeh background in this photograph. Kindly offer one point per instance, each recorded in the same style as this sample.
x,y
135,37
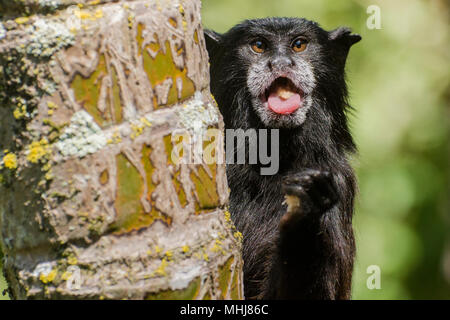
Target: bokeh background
x,y
399,85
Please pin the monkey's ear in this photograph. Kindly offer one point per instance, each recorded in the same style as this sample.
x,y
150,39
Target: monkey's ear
x,y
212,41
342,39
344,36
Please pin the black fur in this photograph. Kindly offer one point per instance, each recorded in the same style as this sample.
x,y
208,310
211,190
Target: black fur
x,y
307,253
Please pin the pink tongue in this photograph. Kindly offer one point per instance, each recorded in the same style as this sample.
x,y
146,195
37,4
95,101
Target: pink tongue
x,y
278,105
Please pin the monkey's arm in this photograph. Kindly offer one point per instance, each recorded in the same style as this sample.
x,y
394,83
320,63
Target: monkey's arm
x,y
314,242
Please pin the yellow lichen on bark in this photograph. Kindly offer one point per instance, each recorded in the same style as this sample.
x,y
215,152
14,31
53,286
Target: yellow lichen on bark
x,y
10,161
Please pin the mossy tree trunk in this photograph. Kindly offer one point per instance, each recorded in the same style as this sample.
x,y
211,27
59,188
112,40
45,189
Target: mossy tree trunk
x,y
92,205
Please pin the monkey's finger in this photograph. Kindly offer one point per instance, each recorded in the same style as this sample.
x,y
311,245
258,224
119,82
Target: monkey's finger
x,y
294,179
293,189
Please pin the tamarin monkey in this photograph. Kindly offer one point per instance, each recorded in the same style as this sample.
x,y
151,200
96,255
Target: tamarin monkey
x,y
288,74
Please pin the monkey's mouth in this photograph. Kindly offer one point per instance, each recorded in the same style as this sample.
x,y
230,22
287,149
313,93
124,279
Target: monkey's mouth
x,y
282,96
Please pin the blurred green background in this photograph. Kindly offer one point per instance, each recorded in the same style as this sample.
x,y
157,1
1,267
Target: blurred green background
x,y
399,85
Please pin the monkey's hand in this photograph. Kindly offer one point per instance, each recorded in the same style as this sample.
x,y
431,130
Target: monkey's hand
x,y
308,195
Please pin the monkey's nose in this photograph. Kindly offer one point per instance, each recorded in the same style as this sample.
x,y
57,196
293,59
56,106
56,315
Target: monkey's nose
x,y
280,63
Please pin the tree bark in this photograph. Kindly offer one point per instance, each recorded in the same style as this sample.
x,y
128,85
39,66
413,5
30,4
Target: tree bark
x,y
92,204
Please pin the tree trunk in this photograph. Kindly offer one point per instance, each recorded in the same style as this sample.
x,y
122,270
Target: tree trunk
x,y
92,202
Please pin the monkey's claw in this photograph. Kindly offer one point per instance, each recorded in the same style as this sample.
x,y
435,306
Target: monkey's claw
x,y
315,189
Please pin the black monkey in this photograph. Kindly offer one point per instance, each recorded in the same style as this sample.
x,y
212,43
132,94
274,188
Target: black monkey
x,y
288,74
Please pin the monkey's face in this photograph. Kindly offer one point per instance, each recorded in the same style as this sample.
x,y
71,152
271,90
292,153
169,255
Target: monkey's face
x,y
280,73
282,63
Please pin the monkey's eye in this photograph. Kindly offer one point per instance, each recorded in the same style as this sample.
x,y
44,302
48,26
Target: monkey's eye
x,y
299,45
258,46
